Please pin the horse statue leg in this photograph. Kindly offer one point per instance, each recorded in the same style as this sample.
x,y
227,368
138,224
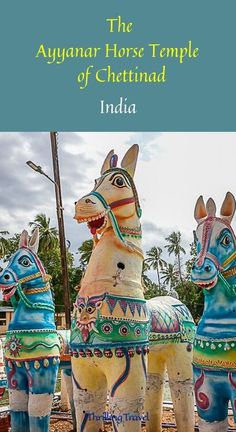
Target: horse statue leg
x,y
212,403
41,388
66,372
179,368
177,361
127,386
67,375
90,394
155,390
18,397
31,387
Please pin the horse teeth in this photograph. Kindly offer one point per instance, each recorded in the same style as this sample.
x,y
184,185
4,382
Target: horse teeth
x,y
94,328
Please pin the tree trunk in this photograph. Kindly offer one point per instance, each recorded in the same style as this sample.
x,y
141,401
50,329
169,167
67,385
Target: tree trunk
x,y
158,276
180,275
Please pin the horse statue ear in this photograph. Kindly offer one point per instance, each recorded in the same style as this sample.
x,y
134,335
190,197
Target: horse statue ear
x,y
200,212
228,207
211,207
129,160
107,162
24,239
34,241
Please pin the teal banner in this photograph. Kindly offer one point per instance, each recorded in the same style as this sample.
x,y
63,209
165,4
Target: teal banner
x,y
118,65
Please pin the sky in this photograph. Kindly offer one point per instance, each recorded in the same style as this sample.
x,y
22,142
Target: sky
x,y
173,169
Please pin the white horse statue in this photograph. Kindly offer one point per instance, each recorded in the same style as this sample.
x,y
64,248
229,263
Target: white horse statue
x,y
113,324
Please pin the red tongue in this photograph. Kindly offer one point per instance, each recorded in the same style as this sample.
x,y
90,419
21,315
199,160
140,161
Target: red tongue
x,y
85,333
93,230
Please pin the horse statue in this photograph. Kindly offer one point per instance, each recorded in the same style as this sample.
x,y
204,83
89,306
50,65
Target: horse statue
x,y
32,345
214,357
112,323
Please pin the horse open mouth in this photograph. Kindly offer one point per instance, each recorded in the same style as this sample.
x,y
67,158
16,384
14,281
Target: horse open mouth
x,y
206,285
85,329
8,292
95,223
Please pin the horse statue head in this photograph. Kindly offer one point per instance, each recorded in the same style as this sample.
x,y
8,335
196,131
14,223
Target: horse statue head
x,y
216,246
26,276
24,269
114,200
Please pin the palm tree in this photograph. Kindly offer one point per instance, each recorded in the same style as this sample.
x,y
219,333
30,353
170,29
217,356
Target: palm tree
x,y
155,261
174,247
3,243
170,275
85,251
48,235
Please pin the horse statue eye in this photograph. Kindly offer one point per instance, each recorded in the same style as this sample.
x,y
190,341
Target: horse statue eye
x,y
25,261
226,241
118,181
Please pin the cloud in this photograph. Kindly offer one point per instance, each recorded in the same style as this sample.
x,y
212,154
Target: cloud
x,y
25,193
148,143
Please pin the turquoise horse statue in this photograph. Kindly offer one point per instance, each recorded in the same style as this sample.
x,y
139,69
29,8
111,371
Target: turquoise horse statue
x,y
215,344
32,345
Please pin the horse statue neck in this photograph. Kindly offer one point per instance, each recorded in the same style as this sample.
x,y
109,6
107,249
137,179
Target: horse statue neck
x,y
115,267
35,309
219,309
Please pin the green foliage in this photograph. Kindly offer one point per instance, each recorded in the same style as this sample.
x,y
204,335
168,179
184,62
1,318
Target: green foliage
x,y
12,246
52,264
174,247
192,297
155,261
85,251
48,236
153,290
3,243
188,293
190,262
170,275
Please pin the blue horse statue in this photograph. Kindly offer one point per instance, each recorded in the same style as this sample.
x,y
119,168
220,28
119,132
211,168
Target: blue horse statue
x,y
215,344
32,345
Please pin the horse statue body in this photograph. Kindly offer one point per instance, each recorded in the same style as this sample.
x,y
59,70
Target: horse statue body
x,y
32,345
215,343
112,323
